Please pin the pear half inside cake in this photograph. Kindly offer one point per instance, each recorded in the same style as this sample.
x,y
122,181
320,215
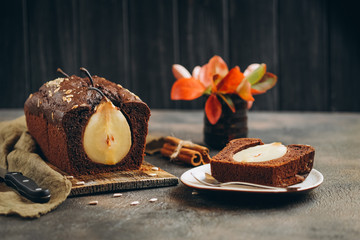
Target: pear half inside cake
x,y
261,153
107,136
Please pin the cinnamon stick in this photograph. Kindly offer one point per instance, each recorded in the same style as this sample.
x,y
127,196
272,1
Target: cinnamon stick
x,y
185,155
201,149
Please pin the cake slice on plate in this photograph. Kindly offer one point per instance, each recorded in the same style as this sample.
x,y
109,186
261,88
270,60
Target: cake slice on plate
x,y
250,160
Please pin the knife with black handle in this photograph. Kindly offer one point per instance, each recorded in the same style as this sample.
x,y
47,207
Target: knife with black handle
x,y
25,186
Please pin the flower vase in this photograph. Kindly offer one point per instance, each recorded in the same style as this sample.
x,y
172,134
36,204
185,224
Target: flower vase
x,y
231,125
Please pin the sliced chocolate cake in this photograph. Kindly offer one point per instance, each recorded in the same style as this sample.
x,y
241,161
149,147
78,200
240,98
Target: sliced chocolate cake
x,y
88,125
250,160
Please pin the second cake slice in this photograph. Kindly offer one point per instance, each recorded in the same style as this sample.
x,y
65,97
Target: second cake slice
x,y
287,166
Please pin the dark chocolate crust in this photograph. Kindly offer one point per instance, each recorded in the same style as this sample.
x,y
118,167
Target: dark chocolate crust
x,y
58,113
290,169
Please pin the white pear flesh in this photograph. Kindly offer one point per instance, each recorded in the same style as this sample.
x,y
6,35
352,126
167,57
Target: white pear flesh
x,y
107,136
261,153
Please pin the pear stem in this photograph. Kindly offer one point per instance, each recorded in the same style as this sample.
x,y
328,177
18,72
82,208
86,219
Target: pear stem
x,y
98,90
88,74
62,72
92,82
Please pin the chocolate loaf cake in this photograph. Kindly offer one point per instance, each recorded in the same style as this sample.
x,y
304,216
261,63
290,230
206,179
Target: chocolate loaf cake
x,y
88,125
292,167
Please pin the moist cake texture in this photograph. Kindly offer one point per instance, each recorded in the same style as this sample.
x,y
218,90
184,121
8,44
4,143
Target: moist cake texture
x,y
287,170
58,113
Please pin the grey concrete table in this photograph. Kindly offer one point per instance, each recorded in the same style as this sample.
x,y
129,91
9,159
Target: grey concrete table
x,y
332,211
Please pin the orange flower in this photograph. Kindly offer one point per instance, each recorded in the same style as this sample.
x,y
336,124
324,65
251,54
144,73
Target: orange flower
x,y
212,72
213,109
215,79
186,87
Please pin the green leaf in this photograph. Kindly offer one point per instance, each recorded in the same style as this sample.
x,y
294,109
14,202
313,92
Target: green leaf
x,y
208,91
257,74
228,101
268,81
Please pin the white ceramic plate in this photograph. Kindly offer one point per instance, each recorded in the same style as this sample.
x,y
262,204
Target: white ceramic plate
x,y
313,180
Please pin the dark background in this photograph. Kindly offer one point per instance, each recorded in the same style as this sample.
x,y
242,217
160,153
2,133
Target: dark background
x,y
312,45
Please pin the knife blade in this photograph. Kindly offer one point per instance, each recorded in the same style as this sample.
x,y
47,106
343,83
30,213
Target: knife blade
x,y
25,186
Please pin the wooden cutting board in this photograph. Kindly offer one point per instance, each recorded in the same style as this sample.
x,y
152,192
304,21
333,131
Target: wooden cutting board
x,y
148,176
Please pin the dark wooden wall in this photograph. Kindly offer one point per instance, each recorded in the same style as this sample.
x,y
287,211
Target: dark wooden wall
x,y
312,45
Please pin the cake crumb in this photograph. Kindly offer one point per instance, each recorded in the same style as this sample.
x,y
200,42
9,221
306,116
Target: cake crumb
x,y
155,168
55,82
134,203
117,195
153,200
80,183
152,174
93,202
65,99
194,193
70,177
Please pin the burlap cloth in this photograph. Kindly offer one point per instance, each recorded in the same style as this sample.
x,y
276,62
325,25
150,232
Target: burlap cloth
x,y
18,153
